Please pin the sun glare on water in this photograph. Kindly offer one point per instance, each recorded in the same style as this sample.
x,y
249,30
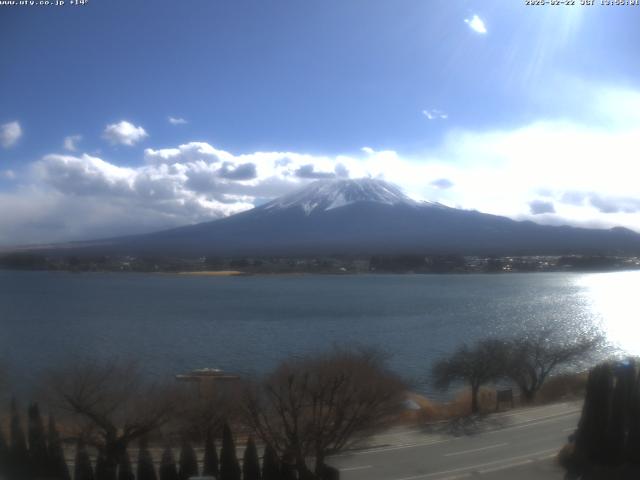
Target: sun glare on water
x,y
615,301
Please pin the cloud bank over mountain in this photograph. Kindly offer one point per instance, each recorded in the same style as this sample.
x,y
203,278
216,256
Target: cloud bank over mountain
x,y
553,171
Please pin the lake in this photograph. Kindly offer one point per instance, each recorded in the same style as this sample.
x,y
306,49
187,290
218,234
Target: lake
x,y
173,323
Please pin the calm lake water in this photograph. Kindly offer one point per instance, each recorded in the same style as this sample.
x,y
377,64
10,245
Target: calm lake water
x,y
247,324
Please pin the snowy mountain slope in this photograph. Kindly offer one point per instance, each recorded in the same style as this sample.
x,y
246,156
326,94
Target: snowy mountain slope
x,y
326,195
362,217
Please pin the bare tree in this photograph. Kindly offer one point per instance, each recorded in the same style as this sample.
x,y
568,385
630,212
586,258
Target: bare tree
x,y
477,365
533,357
198,416
113,404
318,405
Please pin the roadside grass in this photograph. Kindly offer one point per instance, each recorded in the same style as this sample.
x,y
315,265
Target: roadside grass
x,y
559,388
563,387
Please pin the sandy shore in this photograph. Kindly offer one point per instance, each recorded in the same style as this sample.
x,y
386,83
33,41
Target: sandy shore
x,y
214,273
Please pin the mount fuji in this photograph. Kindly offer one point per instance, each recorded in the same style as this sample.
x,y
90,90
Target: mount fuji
x,y
362,217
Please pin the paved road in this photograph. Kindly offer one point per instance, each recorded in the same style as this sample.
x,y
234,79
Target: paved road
x,y
521,445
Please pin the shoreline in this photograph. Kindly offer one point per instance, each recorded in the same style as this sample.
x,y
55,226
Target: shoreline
x,y
210,273
239,273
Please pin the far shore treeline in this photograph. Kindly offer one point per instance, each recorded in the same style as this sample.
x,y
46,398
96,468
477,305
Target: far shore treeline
x,y
338,264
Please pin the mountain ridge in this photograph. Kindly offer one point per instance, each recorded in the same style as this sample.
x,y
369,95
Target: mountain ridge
x,y
364,217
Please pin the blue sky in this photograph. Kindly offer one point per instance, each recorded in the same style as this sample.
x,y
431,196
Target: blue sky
x,y
530,112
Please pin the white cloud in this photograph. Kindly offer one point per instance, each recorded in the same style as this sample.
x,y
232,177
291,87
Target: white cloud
x,y
74,197
503,171
435,114
8,174
70,142
10,133
581,173
124,133
85,175
476,24
176,120
189,152
368,150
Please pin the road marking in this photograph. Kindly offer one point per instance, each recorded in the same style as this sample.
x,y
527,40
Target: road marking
x,y
456,477
497,445
375,450
518,412
554,415
403,432
397,447
515,464
530,456
525,425
569,408
349,469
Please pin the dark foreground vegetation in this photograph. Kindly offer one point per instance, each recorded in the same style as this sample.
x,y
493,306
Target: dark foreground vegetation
x,y
44,458
306,410
108,422
606,444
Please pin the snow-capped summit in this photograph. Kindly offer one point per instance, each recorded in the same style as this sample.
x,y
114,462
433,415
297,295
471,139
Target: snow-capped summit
x,y
364,217
325,195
